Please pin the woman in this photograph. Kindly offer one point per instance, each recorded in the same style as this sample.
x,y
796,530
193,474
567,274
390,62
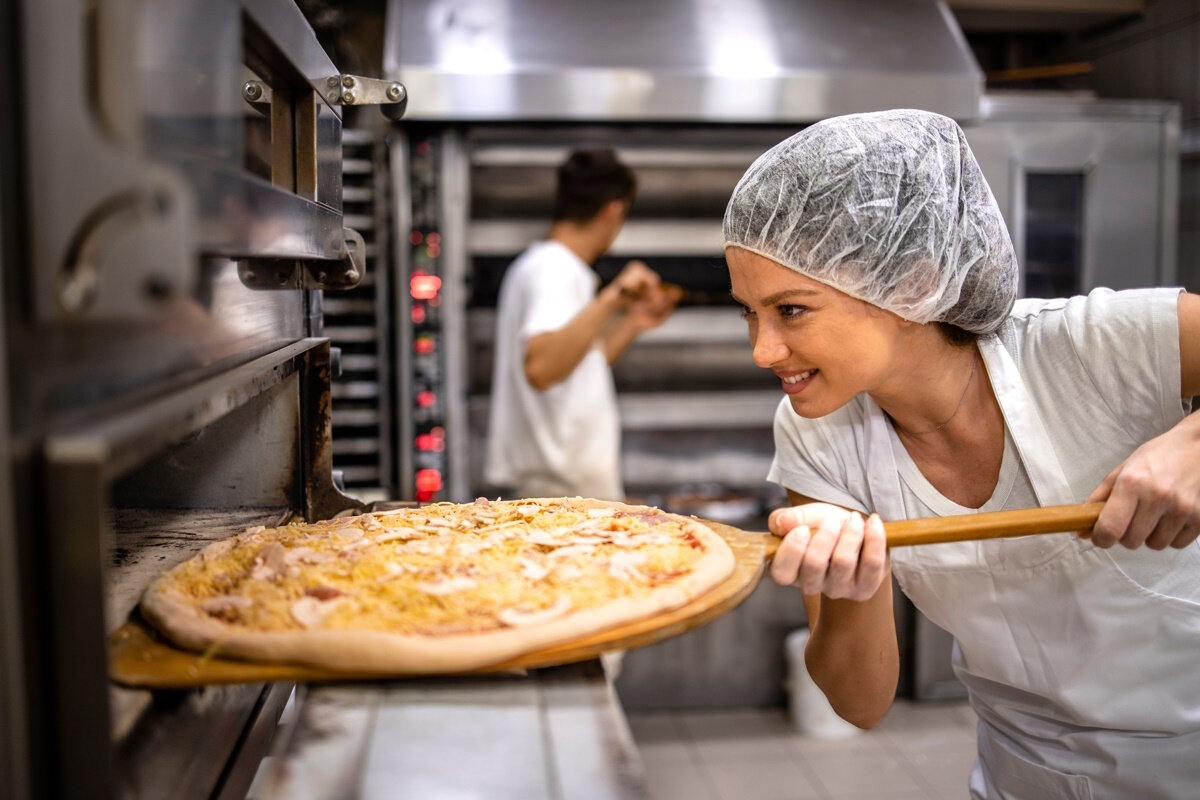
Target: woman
x,y
878,281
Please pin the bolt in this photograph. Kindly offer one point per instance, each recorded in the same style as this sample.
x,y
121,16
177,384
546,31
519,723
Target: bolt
x,y
322,276
348,81
334,98
333,81
393,92
248,275
348,97
352,276
252,91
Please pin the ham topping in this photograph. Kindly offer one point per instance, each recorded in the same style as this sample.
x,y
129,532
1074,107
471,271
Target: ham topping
x,y
532,569
521,616
311,612
269,562
323,592
446,586
225,603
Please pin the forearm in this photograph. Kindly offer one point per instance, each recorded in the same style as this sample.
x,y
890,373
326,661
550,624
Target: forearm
x,y
852,654
618,338
550,357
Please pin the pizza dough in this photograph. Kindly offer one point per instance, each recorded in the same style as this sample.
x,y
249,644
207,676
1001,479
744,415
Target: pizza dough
x,y
440,588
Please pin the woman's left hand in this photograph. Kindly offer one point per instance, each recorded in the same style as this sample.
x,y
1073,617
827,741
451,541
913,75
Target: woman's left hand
x,y
1153,497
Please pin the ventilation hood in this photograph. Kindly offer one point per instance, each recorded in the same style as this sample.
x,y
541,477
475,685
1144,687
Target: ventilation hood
x,y
722,61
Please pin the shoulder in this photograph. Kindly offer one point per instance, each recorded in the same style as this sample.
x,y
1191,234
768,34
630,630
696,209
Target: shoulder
x,y
1088,326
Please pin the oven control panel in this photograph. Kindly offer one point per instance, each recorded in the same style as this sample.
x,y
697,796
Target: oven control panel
x,y
426,401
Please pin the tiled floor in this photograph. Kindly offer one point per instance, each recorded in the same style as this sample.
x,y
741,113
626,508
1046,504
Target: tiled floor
x,y
919,752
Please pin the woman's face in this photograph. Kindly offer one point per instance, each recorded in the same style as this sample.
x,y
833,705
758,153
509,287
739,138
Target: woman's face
x,y
824,345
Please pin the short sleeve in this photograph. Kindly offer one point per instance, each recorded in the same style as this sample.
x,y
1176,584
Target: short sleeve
x,y
816,457
1127,344
555,292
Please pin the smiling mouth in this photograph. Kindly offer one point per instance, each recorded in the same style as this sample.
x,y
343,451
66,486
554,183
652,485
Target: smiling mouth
x,y
794,379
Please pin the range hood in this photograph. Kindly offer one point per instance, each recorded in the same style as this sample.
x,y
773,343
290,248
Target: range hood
x,y
718,61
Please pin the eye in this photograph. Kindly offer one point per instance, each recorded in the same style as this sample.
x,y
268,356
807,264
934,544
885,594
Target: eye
x,y
792,312
746,312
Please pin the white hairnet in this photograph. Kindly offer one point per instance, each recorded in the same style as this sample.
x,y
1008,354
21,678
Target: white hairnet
x,y
889,207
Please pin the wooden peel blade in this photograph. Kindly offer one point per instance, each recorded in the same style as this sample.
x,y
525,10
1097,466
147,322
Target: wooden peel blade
x,y
987,525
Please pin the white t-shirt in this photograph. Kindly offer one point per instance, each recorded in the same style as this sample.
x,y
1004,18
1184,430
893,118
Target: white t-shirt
x,y
564,440
1103,373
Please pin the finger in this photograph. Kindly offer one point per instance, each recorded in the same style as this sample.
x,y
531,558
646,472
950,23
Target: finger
x,y
785,566
781,521
1186,537
1099,495
816,558
1153,504
1115,517
872,562
1166,532
843,562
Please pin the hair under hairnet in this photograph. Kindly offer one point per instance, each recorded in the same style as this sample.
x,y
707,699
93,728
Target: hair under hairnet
x,y
889,207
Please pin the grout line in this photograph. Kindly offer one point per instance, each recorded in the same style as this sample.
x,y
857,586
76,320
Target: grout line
x,y
697,758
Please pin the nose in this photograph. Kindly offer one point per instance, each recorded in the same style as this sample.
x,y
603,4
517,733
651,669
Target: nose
x,y
769,347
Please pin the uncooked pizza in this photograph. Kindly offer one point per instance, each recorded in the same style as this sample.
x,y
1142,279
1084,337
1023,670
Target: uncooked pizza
x,y
438,588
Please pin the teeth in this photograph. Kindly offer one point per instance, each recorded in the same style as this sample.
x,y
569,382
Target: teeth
x,y
798,378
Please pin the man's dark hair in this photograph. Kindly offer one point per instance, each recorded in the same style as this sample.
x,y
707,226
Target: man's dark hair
x,y
589,179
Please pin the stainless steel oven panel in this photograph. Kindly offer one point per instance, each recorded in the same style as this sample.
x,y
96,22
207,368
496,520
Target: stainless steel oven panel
x,y
678,60
135,125
1127,153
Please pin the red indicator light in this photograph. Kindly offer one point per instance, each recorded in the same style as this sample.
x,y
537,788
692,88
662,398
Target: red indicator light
x,y
428,443
414,238
425,287
426,399
418,313
435,301
434,238
424,345
433,250
429,480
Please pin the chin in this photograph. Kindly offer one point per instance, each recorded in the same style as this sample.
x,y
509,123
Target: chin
x,y
805,407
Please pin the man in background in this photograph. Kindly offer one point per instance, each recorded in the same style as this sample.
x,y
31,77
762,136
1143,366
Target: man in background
x,y
554,429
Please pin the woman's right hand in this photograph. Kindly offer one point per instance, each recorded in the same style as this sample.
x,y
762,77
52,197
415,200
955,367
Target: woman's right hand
x,y
829,550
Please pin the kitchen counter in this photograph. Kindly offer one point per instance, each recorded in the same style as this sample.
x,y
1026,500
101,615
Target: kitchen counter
x,y
556,733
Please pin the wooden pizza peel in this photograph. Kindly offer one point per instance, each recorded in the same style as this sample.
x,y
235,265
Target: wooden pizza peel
x,y
139,657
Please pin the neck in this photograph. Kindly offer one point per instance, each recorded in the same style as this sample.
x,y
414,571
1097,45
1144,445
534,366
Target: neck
x,y
938,391
583,240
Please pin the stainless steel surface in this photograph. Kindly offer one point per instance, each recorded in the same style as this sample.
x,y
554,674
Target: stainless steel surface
x,y
760,61
198,744
694,408
401,266
455,197
1127,153
15,758
154,168
554,734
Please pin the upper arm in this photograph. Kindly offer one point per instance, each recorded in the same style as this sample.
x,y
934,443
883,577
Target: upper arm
x,y
1189,344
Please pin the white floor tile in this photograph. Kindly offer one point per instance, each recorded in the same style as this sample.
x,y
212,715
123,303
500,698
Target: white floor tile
x,y
767,779
678,782
852,774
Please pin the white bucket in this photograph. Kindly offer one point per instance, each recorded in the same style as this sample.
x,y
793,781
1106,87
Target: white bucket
x,y
810,712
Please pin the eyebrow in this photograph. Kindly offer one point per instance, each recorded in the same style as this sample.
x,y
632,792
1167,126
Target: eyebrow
x,y
775,298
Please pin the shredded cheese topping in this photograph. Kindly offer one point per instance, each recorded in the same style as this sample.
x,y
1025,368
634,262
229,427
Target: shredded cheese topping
x,y
439,569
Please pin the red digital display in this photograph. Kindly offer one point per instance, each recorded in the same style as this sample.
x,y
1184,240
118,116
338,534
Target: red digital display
x,y
426,399
429,483
424,345
424,287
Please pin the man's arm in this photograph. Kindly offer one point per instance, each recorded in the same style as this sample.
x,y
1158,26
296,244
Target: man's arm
x,y
648,310
550,357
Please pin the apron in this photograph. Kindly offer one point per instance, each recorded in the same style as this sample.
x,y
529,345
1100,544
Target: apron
x,y
1086,684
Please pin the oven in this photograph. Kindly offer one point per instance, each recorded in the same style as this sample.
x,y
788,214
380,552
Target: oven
x,y
172,214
